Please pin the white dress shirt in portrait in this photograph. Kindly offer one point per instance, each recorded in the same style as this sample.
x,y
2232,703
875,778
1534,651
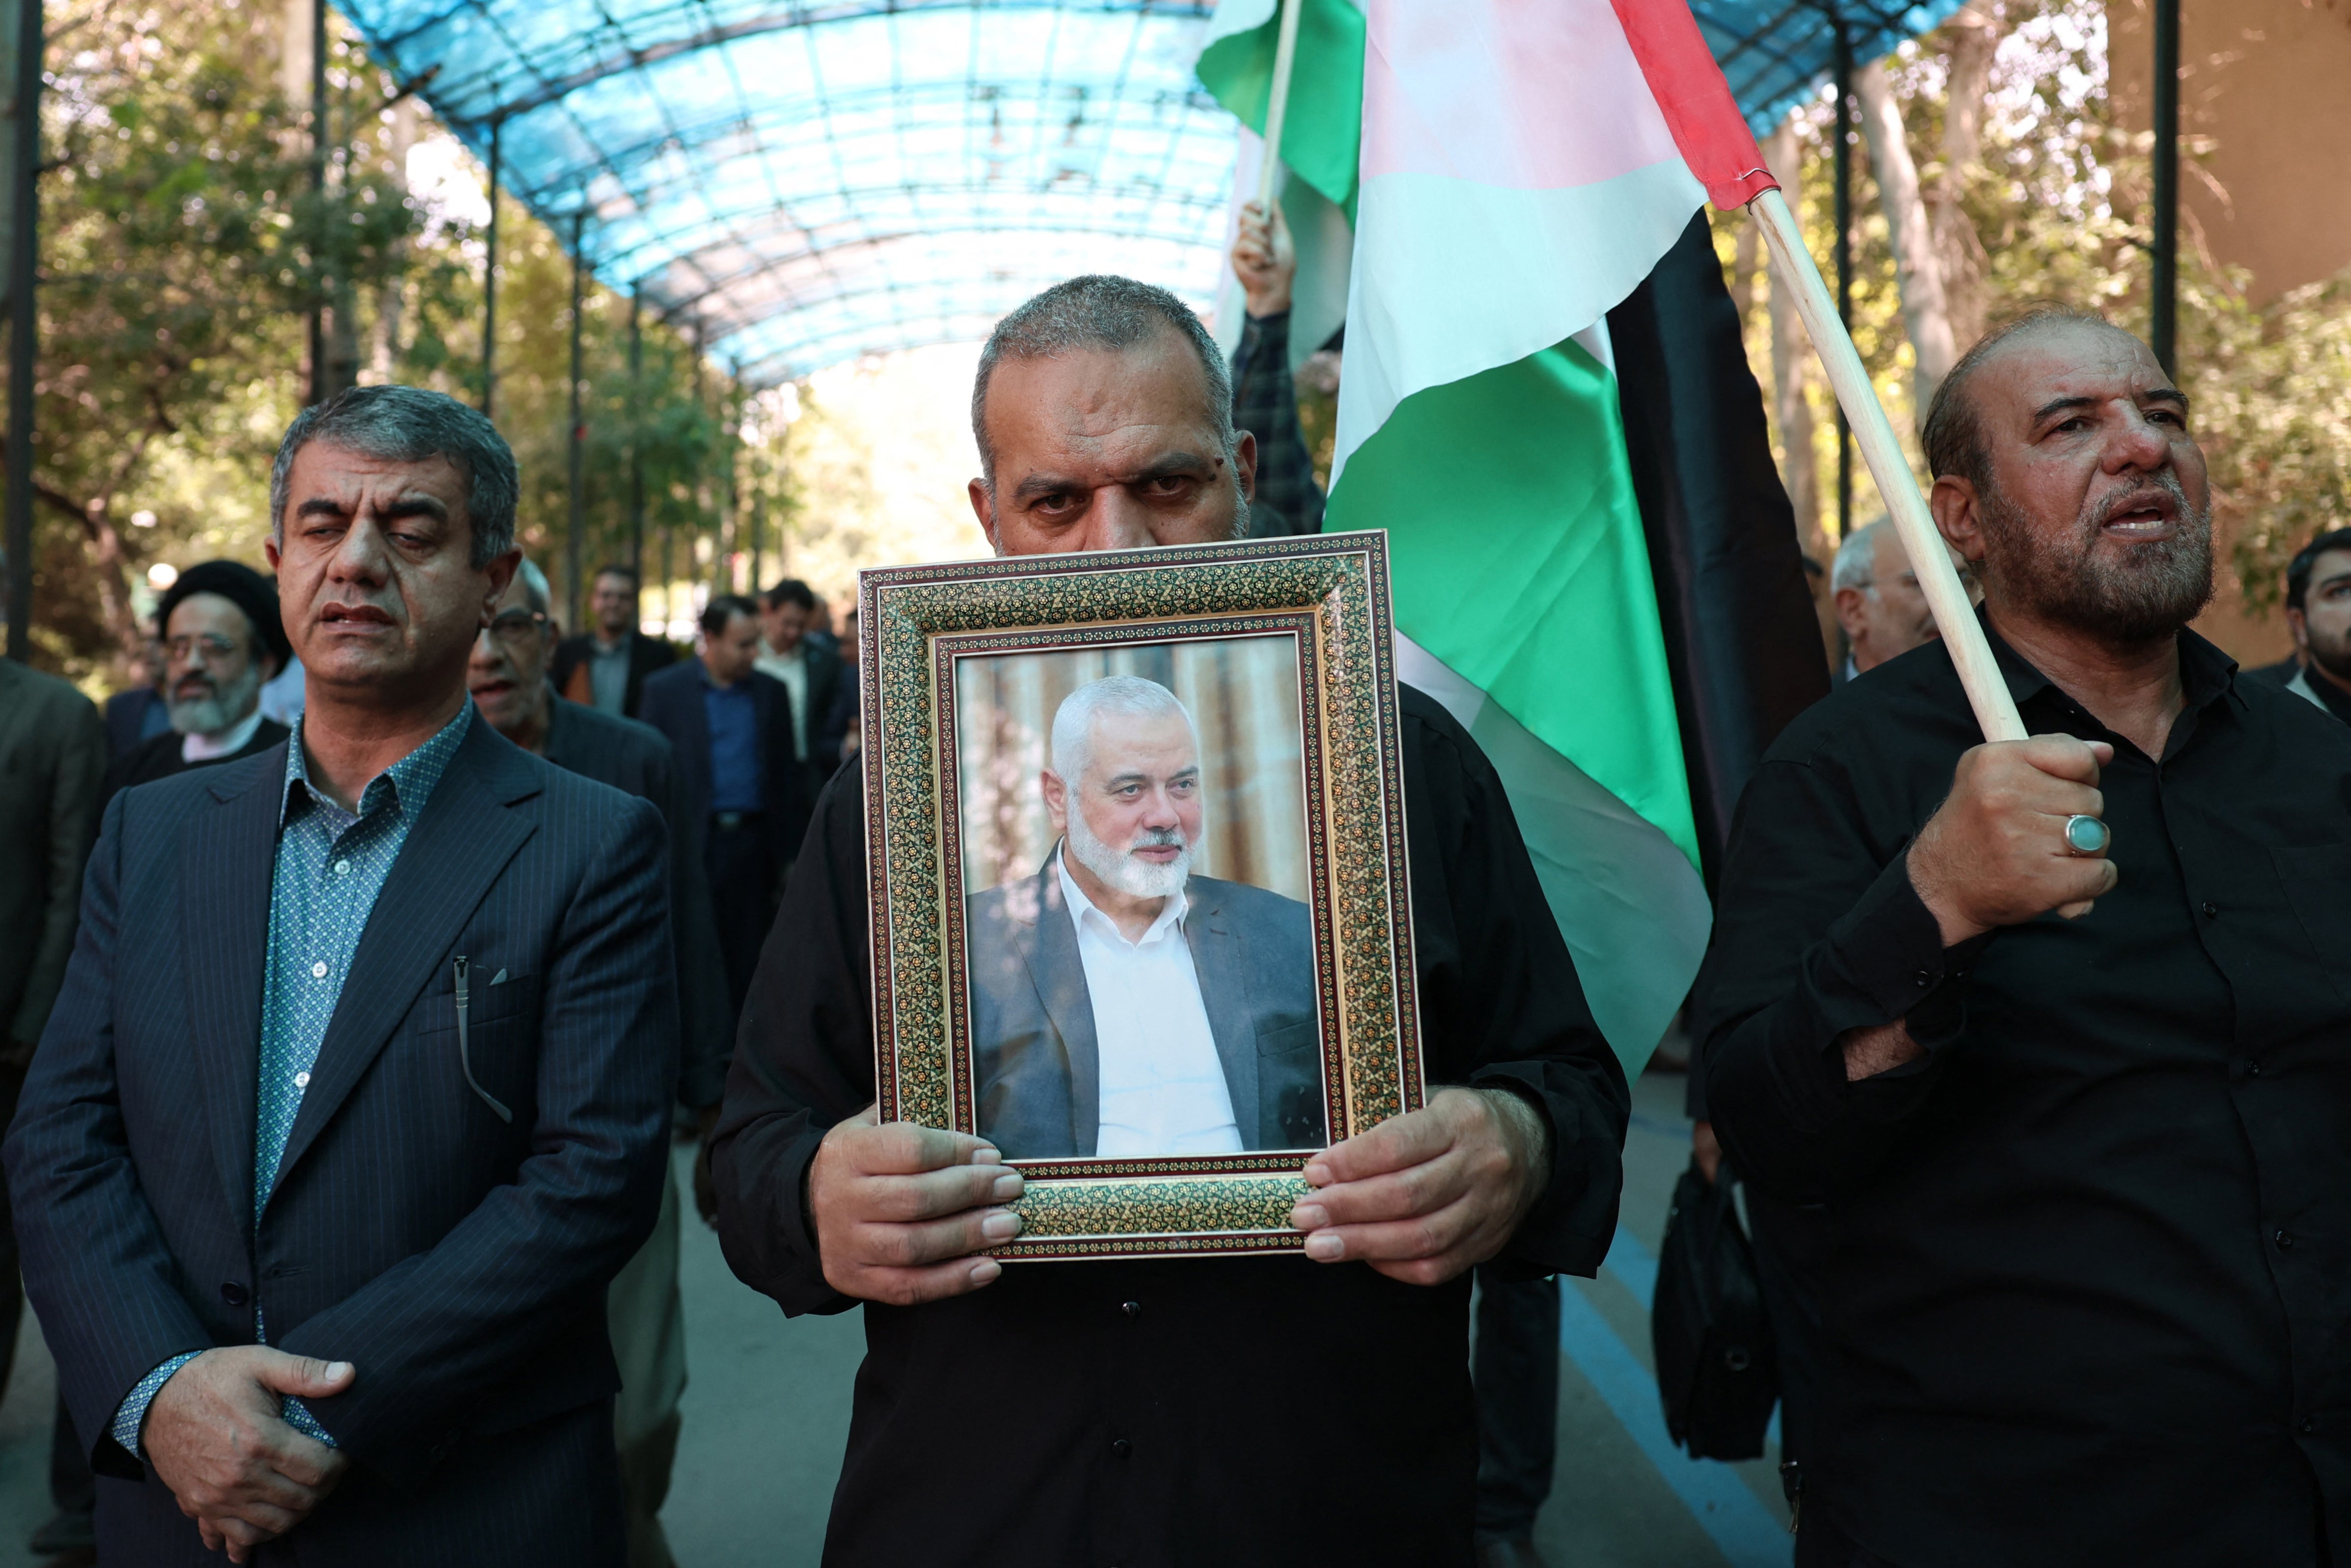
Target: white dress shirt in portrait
x,y
1162,1085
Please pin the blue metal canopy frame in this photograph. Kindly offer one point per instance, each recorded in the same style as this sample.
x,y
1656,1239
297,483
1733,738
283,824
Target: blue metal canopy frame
x,y
809,181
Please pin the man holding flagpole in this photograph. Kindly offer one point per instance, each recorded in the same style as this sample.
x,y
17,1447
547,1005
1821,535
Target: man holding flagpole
x,y
2059,1029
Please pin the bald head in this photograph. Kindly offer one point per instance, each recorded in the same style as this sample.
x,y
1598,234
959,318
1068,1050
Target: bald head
x,y
2063,467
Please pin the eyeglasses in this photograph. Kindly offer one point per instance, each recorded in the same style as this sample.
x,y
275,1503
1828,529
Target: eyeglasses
x,y
214,645
517,628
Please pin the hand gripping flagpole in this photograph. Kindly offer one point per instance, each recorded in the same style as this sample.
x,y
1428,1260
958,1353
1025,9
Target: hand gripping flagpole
x,y
1277,105
1955,616
1719,148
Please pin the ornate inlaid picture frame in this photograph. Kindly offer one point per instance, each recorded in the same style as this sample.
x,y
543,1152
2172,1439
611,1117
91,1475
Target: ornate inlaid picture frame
x,y
1136,849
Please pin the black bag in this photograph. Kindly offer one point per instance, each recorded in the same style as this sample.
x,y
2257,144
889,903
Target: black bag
x,y
1718,1367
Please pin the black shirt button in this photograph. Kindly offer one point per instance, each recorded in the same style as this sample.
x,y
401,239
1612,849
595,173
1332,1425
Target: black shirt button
x,y
2252,1070
1922,978
234,1294
2211,909
1121,1447
1131,1309
2285,1240
2307,1427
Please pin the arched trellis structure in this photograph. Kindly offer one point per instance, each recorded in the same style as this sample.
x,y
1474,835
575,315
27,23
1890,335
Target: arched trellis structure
x,y
816,179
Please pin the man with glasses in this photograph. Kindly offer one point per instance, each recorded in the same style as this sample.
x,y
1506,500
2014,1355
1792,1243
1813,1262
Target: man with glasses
x,y
223,641
1878,600
507,678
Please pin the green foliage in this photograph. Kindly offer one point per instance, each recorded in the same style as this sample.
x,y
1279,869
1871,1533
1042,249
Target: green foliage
x,y
185,242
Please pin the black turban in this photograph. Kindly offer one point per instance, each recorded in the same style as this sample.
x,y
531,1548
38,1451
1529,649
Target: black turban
x,y
241,586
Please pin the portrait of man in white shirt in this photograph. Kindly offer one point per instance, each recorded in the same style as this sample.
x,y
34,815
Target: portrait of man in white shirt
x,y
1122,1005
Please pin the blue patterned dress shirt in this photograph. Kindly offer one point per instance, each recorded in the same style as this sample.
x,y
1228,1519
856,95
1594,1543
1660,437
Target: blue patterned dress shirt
x,y
331,866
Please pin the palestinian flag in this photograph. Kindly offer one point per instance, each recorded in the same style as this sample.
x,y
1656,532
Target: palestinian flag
x,y
1545,404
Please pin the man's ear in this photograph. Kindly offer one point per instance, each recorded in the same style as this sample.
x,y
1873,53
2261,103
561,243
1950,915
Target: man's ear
x,y
984,510
2296,623
1057,799
1245,464
1848,611
1956,507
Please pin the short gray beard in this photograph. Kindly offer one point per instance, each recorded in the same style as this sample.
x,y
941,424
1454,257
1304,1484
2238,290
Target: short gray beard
x,y
1121,870
225,710
2153,594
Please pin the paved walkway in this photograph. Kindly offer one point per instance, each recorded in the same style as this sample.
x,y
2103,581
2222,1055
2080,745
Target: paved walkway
x,y
768,1410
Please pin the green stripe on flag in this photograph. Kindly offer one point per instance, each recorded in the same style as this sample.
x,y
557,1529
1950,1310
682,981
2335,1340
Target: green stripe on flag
x,y
1324,126
1519,560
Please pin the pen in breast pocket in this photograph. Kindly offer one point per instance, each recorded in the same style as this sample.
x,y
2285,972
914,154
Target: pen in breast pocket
x,y
465,1046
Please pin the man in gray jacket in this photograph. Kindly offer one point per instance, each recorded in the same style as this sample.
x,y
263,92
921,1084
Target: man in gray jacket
x,y
1121,1005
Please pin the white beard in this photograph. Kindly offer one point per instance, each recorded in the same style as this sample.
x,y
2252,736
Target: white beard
x,y
1121,870
225,710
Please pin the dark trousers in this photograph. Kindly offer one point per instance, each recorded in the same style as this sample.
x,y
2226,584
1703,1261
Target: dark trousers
x,y
1515,1370
71,1486
12,1286
744,884
1791,1244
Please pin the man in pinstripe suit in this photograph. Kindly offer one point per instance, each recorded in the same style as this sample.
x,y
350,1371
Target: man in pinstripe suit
x,y
357,1094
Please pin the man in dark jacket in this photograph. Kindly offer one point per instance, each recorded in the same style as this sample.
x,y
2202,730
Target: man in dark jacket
x,y
223,641
52,752
357,1093
605,669
1132,1409
745,792
507,678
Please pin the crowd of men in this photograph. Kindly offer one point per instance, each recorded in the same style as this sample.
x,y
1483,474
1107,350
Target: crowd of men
x,y
345,1053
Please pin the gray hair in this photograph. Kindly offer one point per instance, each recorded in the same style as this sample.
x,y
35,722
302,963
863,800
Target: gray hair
x,y
409,424
1098,311
534,591
1073,721
1856,557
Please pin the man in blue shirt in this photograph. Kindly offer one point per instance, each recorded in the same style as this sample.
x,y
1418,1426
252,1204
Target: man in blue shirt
x,y
745,791
320,1191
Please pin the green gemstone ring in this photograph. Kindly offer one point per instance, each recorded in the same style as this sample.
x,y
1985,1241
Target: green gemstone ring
x,y
2087,836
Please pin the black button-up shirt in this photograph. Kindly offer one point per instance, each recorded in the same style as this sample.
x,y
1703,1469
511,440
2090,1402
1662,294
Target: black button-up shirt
x,y
2090,1295
1162,1413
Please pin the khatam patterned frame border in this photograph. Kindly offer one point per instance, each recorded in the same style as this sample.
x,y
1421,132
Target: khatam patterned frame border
x,y
1331,590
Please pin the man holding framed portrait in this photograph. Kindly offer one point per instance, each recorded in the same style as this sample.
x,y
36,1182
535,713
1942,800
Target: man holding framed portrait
x,y
1128,975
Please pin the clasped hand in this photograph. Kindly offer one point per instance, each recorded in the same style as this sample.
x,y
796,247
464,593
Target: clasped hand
x,y
901,1211
216,1435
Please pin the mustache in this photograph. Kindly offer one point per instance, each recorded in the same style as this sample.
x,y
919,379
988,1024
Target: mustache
x,y
1157,838
2165,484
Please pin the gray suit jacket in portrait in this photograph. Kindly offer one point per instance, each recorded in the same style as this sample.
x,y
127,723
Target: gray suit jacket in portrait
x,y
1035,1070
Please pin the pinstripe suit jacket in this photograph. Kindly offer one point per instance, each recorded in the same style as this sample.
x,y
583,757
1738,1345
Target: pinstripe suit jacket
x,y
457,1261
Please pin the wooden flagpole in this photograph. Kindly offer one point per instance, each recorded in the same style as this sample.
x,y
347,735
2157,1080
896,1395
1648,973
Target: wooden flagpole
x,y
1955,617
1277,107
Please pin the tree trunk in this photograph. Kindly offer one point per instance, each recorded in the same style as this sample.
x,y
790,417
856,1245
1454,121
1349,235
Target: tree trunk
x,y
392,299
1792,359
1974,36
1918,270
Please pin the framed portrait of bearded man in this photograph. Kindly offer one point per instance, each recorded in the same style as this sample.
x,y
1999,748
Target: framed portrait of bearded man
x,y
1135,831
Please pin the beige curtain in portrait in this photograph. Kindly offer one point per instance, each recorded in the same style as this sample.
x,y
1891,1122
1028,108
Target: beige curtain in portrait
x,y
1243,697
